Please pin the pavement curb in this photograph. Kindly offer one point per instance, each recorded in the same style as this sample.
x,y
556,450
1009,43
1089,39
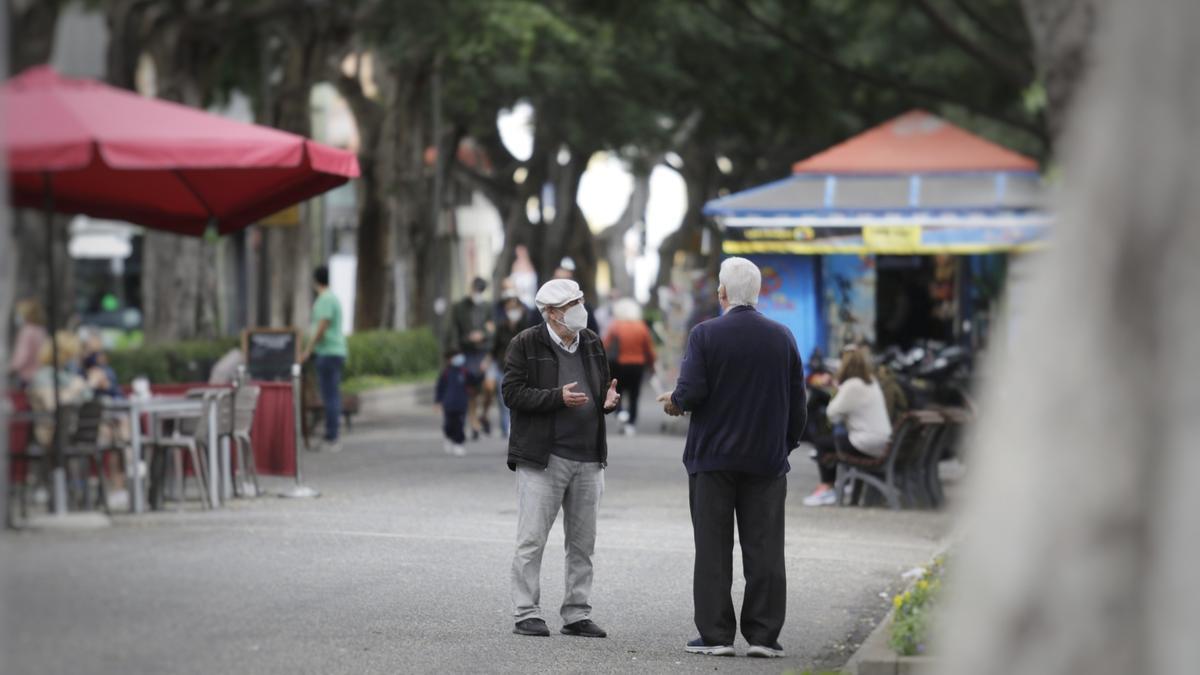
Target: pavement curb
x,y
876,657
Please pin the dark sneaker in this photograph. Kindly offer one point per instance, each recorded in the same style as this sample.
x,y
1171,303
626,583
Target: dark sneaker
x,y
697,646
763,652
585,628
532,627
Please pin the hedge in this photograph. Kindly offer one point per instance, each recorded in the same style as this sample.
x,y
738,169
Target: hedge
x,y
380,352
172,362
393,353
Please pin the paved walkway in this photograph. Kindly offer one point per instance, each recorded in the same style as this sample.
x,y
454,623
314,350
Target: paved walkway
x,y
402,566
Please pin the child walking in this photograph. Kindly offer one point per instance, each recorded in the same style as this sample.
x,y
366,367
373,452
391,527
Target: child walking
x,y
452,398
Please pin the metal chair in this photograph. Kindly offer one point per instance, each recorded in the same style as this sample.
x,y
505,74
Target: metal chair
x,y
191,436
245,405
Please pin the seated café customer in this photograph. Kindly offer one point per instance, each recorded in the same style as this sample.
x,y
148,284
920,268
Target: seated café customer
x,y
99,374
73,389
27,346
860,411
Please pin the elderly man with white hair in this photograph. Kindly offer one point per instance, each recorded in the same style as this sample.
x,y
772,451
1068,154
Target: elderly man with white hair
x,y
742,381
556,383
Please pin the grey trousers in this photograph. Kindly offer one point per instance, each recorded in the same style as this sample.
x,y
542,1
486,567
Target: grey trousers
x,y
576,487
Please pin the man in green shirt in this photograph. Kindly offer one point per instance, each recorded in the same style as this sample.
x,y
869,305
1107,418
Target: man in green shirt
x,y
329,344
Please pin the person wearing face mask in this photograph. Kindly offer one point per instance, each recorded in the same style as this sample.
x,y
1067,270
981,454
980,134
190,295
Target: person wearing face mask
x,y
743,383
471,332
512,318
452,391
556,382
561,272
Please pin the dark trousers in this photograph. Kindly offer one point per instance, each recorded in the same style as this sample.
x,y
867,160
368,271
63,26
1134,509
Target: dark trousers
x,y
453,426
629,385
827,452
329,378
717,497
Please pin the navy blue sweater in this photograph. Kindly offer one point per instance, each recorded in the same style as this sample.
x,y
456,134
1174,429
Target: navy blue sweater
x,y
742,380
452,388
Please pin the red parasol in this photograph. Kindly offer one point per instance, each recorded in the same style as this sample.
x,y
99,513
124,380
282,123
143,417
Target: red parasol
x,y
79,146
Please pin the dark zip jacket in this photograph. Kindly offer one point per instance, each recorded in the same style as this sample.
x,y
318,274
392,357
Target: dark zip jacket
x,y
532,393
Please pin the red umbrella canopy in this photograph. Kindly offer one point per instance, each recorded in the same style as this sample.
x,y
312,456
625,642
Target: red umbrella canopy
x,y
111,153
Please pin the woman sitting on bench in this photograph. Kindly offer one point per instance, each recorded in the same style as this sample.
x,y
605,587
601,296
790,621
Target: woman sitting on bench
x,y
860,412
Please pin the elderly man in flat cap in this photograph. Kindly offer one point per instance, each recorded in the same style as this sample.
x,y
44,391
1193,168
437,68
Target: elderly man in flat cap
x,y
556,382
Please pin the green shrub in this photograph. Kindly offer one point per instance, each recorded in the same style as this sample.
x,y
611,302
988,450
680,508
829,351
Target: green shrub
x,y
173,362
393,353
379,353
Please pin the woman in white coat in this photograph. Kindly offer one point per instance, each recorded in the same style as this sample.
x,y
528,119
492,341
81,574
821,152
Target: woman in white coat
x,y
859,411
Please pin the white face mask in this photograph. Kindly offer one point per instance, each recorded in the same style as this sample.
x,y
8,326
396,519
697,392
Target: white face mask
x,y
477,298
575,318
458,360
515,315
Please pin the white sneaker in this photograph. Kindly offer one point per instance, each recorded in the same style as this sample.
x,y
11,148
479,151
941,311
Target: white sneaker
x,y
458,450
333,446
623,416
826,498
765,652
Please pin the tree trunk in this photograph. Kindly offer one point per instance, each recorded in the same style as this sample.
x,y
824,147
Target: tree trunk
x,y
289,248
1062,31
31,42
31,32
701,177
612,240
179,294
32,277
1082,512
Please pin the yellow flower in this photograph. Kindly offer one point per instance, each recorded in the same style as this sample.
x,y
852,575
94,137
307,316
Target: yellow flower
x,y
897,601
923,585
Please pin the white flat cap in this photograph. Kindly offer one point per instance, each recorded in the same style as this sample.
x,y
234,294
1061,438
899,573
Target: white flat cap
x,y
557,292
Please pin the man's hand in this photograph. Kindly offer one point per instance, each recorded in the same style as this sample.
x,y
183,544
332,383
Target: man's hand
x,y
573,399
669,406
612,399
476,336
305,356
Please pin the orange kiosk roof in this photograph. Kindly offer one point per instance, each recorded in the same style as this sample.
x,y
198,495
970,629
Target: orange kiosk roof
x,y
915,142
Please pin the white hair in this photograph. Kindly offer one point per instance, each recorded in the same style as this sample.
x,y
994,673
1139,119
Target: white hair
x,y
742,281
627,309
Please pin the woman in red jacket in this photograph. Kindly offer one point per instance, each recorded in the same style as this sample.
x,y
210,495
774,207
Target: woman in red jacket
x,y
631,352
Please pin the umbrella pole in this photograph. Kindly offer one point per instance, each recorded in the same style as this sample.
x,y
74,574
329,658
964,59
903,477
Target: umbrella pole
x,y
58,473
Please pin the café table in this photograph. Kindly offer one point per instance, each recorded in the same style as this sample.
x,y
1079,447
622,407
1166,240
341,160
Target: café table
x,y
155,407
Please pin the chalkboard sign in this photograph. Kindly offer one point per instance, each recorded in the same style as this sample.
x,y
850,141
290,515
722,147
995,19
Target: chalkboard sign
x,y
270,353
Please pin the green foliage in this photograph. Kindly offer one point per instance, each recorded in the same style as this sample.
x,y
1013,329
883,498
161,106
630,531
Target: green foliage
x,y
389,356
911,621
393,354
361,383
175,362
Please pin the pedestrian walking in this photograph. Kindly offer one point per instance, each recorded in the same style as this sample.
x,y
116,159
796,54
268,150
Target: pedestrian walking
x,y
742,381
556,383
471,332
631,354
328,343
512,317
452,392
